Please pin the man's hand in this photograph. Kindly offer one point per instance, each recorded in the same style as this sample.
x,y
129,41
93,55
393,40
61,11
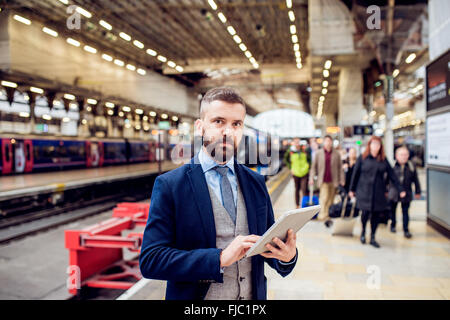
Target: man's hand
x,y
237,249
286,250
402,194
311,182
418,196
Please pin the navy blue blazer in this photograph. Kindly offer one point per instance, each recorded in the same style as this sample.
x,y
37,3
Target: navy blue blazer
x,y
179,243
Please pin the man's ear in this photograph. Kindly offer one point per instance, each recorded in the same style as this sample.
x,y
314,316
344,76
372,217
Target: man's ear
x,y
198,127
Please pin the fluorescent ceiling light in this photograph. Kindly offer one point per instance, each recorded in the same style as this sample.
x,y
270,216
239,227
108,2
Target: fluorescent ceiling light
x,y
243,47
24,114
294,38
66,119
256,65
49,31
395,73
324,91
36,90
299,66
152,114
291,15
90,49
84,12
110,112
47,117
327,64
171,64
118,62
73,42
175,118
64,1
237,39
9,84
139,111
322,98
231,30
293,29
131,67
296,47
126,109
212,4
289,4
410,58
109,105
91,101
151,52
22,19
69,96
252,60
326,73
162,58
179,68
297,54
248,54
164,116
107,57
125,36
222,17
325,84
142,72
105,25
138,44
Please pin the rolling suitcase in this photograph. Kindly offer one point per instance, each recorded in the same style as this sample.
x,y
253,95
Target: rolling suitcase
x,y
311,200
343,226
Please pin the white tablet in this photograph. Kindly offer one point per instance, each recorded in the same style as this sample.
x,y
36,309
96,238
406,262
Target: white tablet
x,y
292,219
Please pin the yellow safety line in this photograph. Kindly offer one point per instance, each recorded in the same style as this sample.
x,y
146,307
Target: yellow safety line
x,y
278,182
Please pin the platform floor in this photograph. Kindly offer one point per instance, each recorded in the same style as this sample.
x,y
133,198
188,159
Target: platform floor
x,y
339,267
45,181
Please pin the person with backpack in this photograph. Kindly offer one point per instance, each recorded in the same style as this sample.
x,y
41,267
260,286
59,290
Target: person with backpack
x,y
407,175
298,162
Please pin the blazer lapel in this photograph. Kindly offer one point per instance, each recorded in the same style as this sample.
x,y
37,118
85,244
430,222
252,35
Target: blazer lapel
x,y
249,197
203,200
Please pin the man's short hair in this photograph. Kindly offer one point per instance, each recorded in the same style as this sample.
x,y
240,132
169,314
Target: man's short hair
x,y
402,147
224,94
328,136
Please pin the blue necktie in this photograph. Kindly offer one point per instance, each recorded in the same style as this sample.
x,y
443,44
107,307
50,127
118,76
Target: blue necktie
x,y
227,193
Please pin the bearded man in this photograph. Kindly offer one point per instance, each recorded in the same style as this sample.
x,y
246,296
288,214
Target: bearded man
x,y
205,215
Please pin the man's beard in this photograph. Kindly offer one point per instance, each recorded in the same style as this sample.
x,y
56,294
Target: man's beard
x,y
218,152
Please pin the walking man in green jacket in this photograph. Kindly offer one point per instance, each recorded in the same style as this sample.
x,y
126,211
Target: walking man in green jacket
x,y
298,162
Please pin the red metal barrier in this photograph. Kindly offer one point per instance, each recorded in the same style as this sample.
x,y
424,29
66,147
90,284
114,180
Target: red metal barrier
x,y
96,255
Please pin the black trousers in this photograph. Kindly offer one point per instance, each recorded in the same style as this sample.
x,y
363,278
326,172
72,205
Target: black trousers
x,y
405,212
374,220
300,185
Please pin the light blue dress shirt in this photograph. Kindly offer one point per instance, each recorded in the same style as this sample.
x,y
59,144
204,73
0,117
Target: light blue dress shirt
x,y
213,177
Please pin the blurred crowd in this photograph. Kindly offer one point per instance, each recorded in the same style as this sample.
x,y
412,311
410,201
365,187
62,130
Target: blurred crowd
x,y
347,184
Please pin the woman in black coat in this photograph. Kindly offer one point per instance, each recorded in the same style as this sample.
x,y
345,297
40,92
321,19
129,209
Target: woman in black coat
x,y
369,183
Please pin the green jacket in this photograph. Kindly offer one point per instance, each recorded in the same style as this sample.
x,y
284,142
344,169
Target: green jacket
x,y
298,162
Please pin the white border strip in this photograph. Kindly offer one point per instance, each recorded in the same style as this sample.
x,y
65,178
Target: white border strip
x,y
134,289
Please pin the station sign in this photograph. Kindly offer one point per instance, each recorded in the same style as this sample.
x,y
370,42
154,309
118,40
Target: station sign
x,y
438,83
363,130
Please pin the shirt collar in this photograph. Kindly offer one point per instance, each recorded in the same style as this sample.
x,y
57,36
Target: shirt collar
x,y
208,163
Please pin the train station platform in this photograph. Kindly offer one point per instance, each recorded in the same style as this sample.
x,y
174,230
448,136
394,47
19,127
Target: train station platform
x,y
15,186
339,267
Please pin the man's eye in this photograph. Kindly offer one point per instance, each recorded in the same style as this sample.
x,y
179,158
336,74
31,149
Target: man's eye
x,y
218,121
238,124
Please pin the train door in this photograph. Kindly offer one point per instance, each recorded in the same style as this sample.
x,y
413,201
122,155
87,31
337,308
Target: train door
x,y
101,153
29,157
152,151
94,154
88,154
7,156
19,157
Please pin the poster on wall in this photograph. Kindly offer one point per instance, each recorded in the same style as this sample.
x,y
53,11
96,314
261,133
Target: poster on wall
x,y
438,83
438,140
